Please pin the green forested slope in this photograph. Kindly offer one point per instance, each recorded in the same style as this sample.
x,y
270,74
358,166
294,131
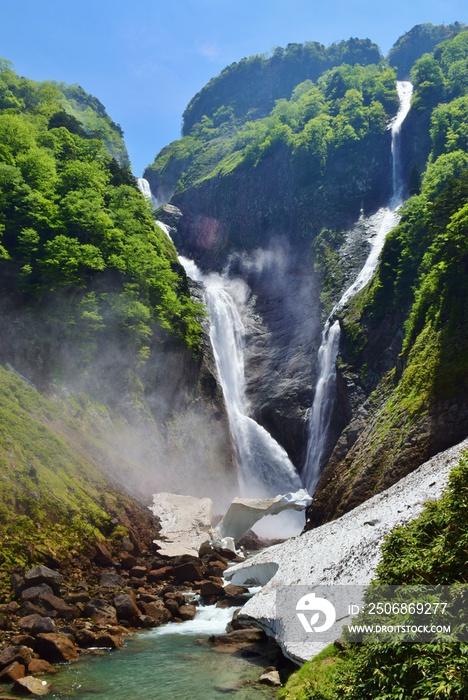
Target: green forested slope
x,y
421,39
405,339
77,237
248,89
91,297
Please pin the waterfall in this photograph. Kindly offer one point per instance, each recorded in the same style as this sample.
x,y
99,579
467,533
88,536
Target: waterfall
x,y
145,189
264,468
382,223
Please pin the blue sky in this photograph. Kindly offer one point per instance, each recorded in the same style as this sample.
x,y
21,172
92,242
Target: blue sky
x,y
145,59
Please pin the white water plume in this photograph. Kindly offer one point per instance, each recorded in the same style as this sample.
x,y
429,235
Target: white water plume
x,y
382,223
145,189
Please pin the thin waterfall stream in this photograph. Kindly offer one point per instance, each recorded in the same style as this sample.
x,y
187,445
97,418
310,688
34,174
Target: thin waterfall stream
x,y
382,223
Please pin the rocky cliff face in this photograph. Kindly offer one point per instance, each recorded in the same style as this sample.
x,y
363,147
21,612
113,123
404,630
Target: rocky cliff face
x,y
292,226
249,208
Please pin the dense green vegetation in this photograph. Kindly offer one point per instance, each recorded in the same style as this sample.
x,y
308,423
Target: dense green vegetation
x,y
424,262
78,241
433,549
247,90
348,107
421,39
92,295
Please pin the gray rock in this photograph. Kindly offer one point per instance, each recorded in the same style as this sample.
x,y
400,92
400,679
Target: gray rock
x,y
43,625
110,579
100,612
9,655
26,623
35,592
42,574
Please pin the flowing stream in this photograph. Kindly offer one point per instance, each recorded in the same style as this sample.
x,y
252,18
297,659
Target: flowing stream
x,y
167,663
382,224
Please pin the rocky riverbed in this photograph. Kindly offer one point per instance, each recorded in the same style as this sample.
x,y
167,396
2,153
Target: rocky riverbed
x,y
57,615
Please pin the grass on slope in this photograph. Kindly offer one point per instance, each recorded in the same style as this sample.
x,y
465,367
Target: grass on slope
x,y
53,498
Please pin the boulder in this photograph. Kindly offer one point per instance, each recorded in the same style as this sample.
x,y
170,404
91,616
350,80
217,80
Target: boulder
x,y
187,612
43,597
110,579
20,654
53,604
55,647
138,571
12,672
127,560
161,574
76,598
235,591
35,592
270,677
31,686
103,556
100,612
216,568
157,612
42,574
172,606
37,667
146,622
178,597
238,638
43,626
27,623
85,638
126,608
109,641
212,588
29,608
190,571
23,640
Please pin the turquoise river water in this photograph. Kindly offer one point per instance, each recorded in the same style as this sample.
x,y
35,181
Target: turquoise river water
x,y
167,663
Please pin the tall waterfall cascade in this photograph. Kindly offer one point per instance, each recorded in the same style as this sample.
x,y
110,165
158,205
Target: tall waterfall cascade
x,y
382,223
264,468
145,189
